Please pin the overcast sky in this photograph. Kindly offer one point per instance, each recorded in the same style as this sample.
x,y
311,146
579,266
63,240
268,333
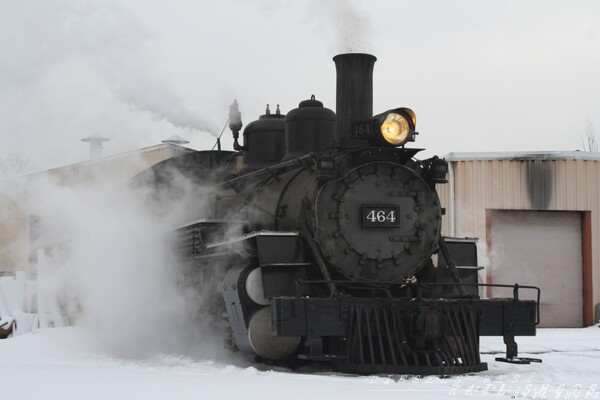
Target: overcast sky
x,y
480,75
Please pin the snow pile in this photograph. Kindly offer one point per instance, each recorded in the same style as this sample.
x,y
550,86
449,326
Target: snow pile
x,y
66,363
17,303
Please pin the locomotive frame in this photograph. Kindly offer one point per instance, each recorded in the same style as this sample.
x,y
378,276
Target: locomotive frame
x,y
305,271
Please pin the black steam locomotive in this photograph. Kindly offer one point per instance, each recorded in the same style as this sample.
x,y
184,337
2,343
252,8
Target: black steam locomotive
x,y
317,243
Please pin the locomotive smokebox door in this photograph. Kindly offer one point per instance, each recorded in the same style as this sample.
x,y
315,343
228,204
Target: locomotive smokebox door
x,y
380,221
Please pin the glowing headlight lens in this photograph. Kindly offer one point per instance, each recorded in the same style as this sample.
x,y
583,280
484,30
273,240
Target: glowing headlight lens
x,y
395,129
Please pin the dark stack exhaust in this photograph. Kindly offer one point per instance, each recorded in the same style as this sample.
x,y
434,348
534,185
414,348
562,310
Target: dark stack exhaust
x,y
354,93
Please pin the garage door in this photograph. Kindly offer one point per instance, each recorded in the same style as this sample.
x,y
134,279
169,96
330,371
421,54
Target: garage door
x,y
541,248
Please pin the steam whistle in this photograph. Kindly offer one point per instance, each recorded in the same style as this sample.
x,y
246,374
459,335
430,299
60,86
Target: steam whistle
x,y
235,124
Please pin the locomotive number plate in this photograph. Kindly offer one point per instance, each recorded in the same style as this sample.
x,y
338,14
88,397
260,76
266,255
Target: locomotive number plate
x,y
379,216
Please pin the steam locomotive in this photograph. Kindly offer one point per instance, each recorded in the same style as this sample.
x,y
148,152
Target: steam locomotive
x,y
318,241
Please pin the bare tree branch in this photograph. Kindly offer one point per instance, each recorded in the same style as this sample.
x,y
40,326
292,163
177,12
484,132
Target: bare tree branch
x,y
588,140
12,165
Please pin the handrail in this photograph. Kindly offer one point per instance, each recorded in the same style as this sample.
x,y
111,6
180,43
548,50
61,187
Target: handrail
x,y
516,287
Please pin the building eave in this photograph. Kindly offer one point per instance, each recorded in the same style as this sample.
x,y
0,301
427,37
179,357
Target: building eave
x,y
522,156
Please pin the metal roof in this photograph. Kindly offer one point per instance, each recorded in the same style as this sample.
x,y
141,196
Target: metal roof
x,y
143,150
103,159
523,155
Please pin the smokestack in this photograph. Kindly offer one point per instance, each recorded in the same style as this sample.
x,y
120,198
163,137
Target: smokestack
x,y
95,145
354,93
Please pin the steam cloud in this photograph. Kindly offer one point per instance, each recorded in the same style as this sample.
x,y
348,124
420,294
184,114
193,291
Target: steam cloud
x,y
115,44
106,37
112,269
352,28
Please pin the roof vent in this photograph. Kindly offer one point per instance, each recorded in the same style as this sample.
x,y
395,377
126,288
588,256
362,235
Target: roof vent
x,y
175,139
95,145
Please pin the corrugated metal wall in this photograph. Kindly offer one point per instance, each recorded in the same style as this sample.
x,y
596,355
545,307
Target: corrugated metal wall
x,y
14,231
560,185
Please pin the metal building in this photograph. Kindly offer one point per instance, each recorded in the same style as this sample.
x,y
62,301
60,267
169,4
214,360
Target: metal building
x,y
15,220
537,217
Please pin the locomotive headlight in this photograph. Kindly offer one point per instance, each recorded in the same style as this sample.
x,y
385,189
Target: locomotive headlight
x,y
391,128
395,129
397,126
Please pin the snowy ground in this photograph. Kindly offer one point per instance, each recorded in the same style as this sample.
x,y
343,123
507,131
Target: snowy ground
x,y
68,363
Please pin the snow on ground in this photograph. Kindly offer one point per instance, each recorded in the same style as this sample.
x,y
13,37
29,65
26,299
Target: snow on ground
x,y
68,363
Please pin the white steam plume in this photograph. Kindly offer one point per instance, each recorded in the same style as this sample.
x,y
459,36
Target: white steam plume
x,y
352,27
107,247
105,36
